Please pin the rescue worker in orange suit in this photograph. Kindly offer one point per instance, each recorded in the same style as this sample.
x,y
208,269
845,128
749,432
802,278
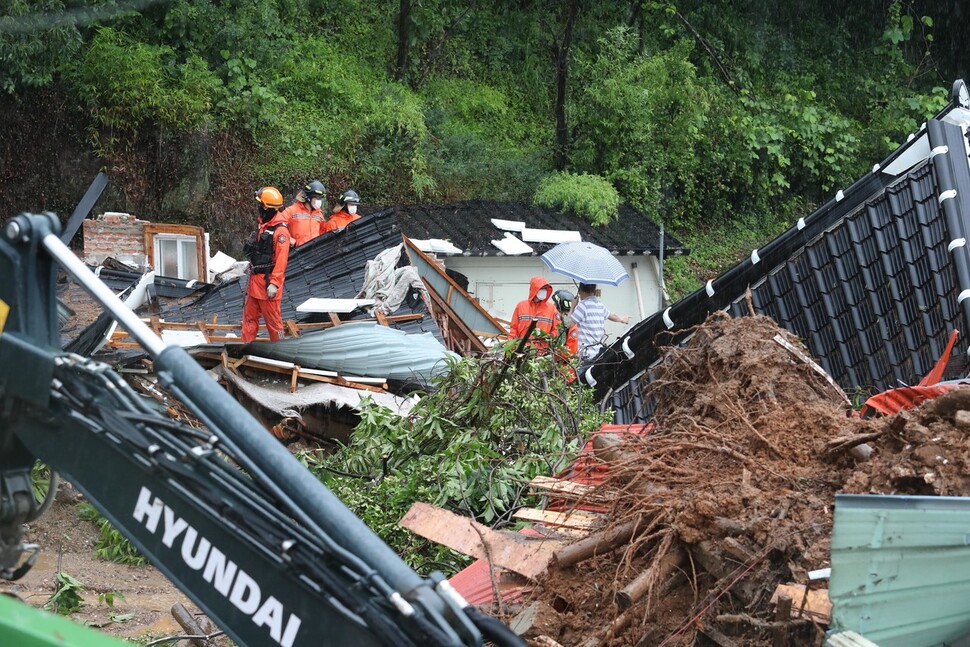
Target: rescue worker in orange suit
x,y
304,217
539,308
344,212
268,250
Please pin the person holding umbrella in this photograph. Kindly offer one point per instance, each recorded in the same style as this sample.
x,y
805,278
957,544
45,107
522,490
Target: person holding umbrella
x,y
538,308
591,315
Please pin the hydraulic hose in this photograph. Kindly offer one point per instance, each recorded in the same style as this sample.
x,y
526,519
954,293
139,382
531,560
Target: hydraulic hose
x,y
493,629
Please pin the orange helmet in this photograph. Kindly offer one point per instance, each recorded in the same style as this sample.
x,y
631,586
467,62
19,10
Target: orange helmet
x,y
269,197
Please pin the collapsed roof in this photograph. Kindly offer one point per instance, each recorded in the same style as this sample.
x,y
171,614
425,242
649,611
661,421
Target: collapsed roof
x,y
330,266
873,281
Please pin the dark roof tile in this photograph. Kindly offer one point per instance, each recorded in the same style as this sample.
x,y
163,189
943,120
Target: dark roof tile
x,y
468,225
868,283
331,266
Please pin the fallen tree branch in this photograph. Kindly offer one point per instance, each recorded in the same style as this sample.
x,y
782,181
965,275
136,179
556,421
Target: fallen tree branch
x,y
601,542
846,443
757,623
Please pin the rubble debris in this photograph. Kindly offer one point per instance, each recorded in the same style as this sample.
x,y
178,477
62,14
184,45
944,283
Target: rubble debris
x,y
516,552
732,496
325,411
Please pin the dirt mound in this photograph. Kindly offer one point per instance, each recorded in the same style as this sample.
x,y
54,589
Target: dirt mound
x,y
732,492
924,451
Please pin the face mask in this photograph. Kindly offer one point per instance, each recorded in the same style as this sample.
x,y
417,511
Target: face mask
x,y
351,208
542,294
316,202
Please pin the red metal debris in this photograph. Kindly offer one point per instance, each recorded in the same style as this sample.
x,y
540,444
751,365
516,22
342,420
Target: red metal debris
x,y
475,583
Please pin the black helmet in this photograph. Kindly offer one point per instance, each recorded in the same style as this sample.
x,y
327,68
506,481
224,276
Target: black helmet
x,y
315,188
563,300
349,197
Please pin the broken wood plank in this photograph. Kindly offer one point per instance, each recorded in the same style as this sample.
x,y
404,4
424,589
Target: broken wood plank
x,y
291,328
545,641
285,368
579,519
204,331
513,551
779,634
381,318
293,378
535,617
814,605
334,319
737,550
707,554
565,489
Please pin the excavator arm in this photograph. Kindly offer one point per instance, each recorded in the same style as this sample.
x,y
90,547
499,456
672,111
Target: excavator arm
x,y
227,513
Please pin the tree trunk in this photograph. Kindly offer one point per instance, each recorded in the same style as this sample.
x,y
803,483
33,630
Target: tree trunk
x,y
403,39
561,53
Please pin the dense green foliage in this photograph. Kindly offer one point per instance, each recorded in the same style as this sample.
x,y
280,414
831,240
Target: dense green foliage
x,y
471,445
696,113
590,196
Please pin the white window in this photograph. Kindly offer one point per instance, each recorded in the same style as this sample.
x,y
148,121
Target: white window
x,y
176,251
176,256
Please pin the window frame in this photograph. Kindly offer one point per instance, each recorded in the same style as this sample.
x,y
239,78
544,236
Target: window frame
x,y
178,231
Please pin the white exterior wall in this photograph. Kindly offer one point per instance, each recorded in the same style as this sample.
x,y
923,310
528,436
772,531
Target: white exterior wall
x,y
500,282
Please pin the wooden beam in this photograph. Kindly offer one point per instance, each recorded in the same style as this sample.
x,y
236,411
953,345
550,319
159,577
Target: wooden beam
x,y
516,552
567,489
578,519
334,319
295,370
205,332
814,604
291,328
454,320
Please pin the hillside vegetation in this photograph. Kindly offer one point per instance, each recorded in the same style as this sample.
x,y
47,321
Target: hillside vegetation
x,y
721,120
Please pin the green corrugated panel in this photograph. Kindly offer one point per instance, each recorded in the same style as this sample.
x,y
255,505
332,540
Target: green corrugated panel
x,y
22,625
901,568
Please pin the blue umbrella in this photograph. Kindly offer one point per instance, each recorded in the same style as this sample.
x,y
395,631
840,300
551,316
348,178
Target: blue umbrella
x,y
586,263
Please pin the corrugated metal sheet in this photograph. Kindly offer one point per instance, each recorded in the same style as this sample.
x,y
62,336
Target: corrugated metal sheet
x,y
362,348
901,568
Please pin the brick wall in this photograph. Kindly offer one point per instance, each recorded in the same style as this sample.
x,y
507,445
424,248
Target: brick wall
x,y
118,235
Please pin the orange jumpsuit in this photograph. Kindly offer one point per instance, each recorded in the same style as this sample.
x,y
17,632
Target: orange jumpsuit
x,y
258,302
543,312
339,220
572,339
304,223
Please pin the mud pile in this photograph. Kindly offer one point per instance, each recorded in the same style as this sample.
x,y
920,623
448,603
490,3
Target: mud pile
x,y
731,494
